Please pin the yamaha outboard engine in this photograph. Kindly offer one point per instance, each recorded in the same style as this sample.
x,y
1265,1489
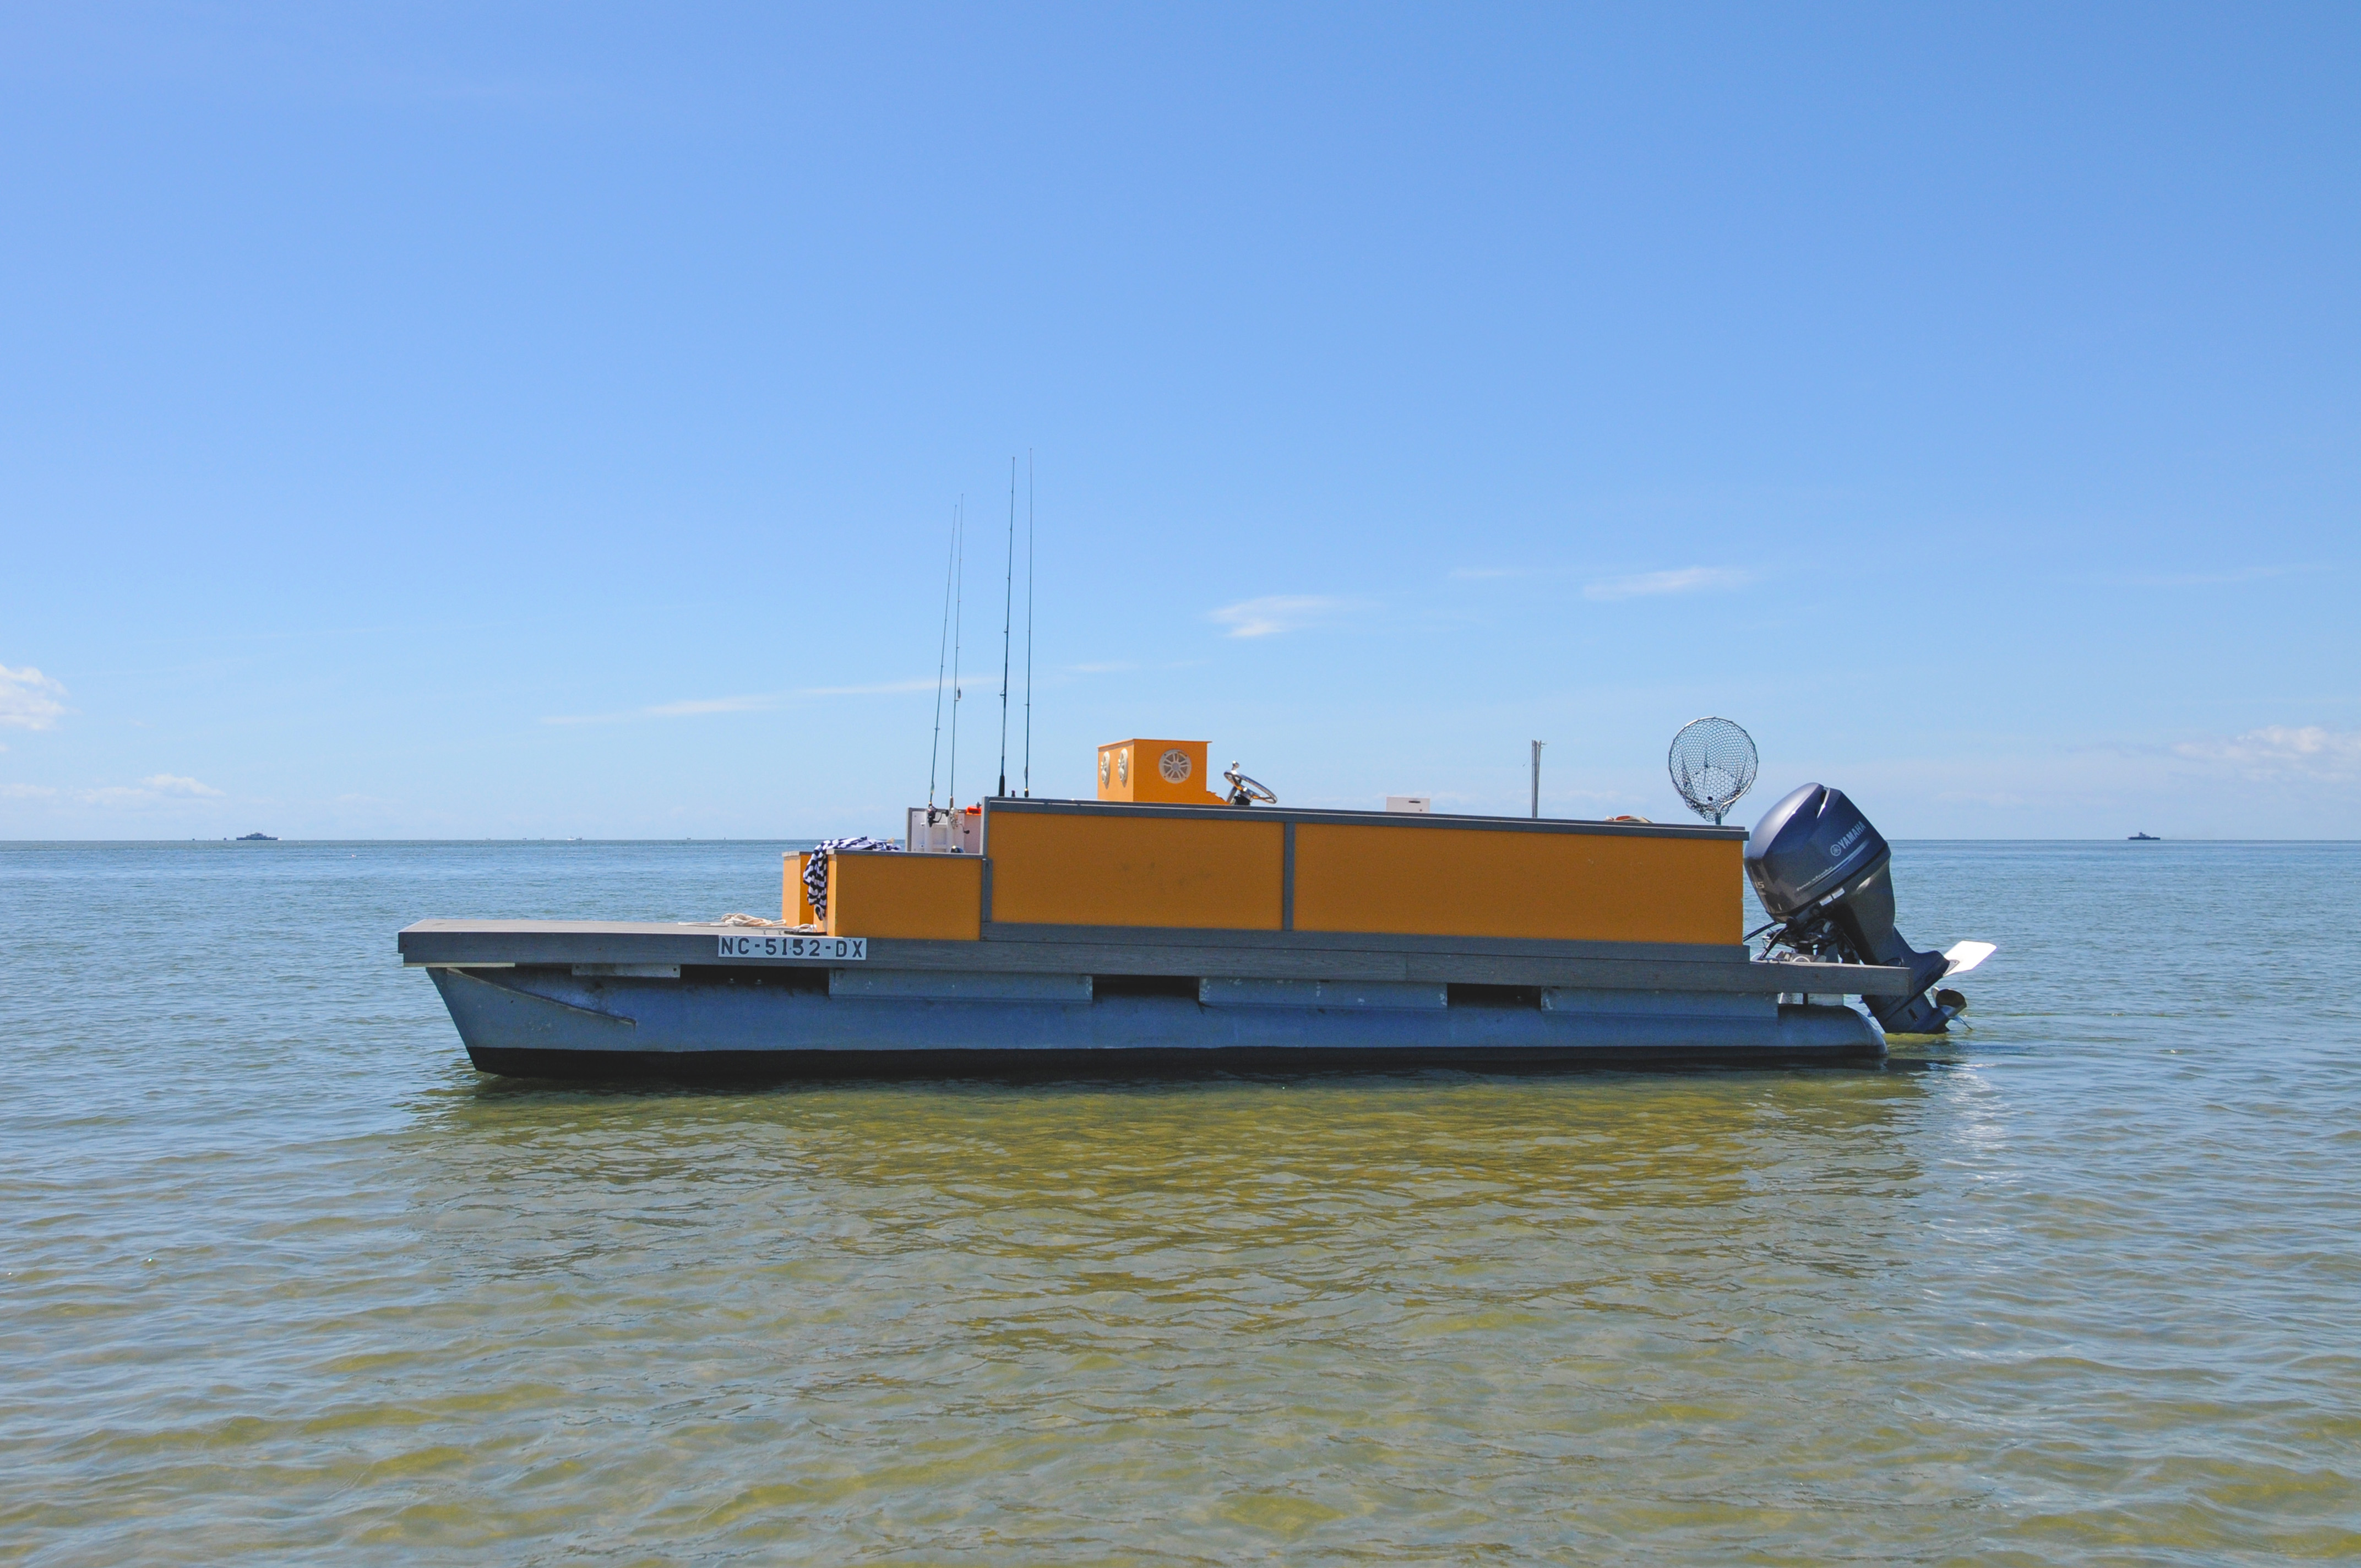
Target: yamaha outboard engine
x,y
1817,865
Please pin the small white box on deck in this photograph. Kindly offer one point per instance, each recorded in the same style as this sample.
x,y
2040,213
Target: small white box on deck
x,y
1418,803
944,831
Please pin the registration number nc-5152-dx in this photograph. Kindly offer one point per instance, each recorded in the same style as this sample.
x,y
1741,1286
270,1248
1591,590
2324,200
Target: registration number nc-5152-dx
x,y
833,950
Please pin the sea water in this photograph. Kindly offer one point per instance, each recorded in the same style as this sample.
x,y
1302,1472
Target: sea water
x,y
283,1280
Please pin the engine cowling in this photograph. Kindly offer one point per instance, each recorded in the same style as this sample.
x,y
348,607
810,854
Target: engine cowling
x,y
1817,864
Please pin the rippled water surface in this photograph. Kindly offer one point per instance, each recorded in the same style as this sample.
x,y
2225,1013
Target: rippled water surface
x,y
282,1278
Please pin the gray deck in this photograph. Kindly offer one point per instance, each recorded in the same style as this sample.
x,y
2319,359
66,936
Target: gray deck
x,y
1207,955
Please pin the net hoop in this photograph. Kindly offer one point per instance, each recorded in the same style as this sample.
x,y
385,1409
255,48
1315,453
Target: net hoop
x,y
1712,762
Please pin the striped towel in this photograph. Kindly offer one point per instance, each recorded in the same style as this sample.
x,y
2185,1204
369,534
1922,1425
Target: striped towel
x,y
815,868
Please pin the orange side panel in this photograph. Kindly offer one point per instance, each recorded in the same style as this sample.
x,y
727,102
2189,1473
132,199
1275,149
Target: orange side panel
x,y
883,894
1596,887
795,898
1136,870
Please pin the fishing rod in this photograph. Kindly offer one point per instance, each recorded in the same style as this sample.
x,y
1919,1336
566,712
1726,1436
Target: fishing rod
x,y
958,610
1029,620
1007,623
942,653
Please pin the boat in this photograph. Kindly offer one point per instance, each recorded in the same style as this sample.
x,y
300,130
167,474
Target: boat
x,y
1162,924
2145,839
257,839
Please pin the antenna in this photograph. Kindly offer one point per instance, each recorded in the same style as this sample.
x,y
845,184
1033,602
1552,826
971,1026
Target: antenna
x,y
1712,762
1537,779
959,608
1007,623
942,652
1029,620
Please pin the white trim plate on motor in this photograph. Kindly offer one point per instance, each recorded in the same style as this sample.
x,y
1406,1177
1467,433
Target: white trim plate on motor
x,y
819,949
1965,956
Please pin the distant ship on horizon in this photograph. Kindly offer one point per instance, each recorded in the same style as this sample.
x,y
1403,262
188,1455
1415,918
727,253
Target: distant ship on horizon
x,y
257,839
2144,839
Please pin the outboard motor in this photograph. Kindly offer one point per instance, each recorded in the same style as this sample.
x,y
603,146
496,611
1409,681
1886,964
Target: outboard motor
x,y
1818,866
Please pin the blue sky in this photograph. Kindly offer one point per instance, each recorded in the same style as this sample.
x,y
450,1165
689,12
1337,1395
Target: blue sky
x,y
462,420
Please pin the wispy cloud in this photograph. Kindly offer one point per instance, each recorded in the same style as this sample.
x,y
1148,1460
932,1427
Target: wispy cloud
x,y
755,702
154,790
696,705
178,783
1683,580
690,708
29,699
2214,579
2275,750
1269,616
883,689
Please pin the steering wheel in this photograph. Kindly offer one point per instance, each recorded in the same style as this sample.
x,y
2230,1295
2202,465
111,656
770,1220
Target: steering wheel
x,y
1244,791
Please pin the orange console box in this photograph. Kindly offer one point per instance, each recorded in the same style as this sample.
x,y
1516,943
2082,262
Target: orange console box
x,y
1158,772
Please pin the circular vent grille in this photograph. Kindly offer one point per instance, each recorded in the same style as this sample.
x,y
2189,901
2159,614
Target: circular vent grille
x,y
1174,766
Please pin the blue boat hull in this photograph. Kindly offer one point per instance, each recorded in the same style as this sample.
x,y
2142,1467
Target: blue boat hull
x,y
545,1023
